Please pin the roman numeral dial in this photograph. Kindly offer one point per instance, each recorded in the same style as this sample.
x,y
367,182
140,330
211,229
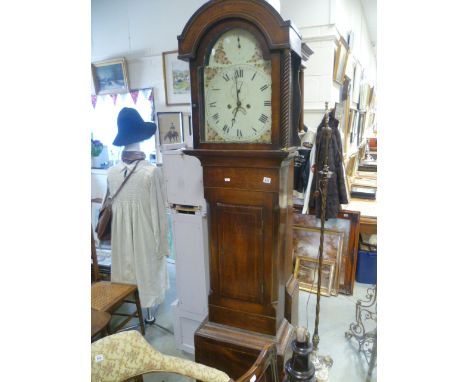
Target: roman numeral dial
x,y
237,104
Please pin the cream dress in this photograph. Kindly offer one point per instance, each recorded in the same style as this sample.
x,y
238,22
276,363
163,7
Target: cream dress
x,y
139,230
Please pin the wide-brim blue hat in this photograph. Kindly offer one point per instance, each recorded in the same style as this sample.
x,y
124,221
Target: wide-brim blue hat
x,y
132,128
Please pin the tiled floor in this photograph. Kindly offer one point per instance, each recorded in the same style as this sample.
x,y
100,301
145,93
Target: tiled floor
x,y
336,315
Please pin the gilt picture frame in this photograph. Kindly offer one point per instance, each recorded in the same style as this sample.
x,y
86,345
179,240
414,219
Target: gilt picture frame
x,y
306,273
306,243
176,79
347,222
170,130
110,76
341,60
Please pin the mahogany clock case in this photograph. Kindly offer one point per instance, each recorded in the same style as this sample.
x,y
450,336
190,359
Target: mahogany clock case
x,y
248,188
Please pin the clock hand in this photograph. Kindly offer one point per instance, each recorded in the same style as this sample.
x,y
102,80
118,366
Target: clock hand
x,y
237,92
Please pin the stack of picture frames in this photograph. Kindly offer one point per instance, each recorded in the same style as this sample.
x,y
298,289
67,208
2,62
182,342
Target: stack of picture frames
x,y
340,250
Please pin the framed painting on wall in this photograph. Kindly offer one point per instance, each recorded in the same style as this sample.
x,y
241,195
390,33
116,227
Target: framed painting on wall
x,y
176,79
361,127
341,60
110,76
171,130
339,114
357,82
306,273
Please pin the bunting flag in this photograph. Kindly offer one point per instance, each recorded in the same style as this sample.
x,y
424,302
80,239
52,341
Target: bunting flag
x,y
93,101
146,92
114,98
134,94
150,98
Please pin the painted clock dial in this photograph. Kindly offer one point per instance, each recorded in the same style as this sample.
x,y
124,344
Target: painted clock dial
x,y
237,91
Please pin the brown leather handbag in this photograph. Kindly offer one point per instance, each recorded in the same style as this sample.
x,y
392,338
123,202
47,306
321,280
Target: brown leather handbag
x,y
104,225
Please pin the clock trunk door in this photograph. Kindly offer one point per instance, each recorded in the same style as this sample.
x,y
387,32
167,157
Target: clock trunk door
x,y
242,259
240,249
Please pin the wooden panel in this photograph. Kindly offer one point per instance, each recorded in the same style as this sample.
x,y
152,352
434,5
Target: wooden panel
x,y
234,351
240,249
262,179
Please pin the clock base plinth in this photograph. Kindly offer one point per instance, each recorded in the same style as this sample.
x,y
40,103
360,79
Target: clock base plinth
x,y
234,350
291,312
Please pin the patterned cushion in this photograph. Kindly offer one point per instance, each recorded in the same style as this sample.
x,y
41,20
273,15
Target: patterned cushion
x,y
124,355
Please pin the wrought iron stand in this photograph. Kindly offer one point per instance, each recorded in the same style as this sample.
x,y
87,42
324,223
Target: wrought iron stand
x,y
367,340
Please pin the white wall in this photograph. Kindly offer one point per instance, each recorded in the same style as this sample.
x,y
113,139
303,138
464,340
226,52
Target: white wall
x,y
321,22
305,13
140,30
138,27
350,16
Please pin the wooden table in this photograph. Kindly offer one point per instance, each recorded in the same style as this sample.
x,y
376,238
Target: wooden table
x,y
99,321
368,210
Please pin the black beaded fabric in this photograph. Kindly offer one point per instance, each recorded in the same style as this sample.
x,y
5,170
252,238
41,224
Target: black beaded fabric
x,y
337,193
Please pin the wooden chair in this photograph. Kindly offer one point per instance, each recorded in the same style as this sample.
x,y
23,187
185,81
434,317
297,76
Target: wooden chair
x,y
99,323
128,356
107,296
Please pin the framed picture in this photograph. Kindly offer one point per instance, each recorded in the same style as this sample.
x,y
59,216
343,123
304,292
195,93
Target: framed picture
x,y
306,242
341,60
306,273
110,76
171,130
176,79
371,98
347,222
339,114
361,127
349,120
357,82
364,96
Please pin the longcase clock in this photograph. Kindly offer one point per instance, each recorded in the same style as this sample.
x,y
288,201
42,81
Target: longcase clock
x,y
244,69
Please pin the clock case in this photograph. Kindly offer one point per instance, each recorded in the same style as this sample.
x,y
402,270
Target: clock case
x,y
248,188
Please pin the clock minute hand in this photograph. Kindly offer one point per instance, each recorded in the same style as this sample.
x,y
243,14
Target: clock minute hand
x,y
237,92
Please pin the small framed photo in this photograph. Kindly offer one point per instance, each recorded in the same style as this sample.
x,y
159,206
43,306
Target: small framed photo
x,y
171,130
341,60
176,79
110,76
306,273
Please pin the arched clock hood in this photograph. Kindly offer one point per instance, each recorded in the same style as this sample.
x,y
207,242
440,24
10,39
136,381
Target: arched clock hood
x,y
278,33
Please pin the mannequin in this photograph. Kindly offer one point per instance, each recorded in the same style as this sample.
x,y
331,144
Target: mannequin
x,y
139,226
132,147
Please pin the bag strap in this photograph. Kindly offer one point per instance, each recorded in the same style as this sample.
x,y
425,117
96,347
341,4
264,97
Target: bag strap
x,y
125,181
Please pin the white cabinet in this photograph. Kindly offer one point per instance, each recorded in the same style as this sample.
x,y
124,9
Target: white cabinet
x,y
184,182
